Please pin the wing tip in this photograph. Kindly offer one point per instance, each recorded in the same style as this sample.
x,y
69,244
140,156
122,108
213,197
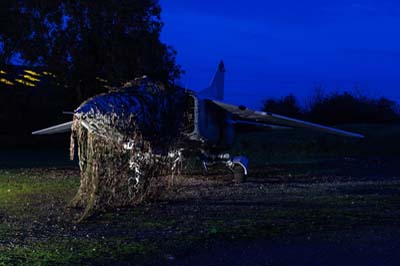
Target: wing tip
x,y
359,136
62,128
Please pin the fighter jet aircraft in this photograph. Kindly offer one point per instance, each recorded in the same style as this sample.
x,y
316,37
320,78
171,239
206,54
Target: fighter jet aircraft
x,y
214,123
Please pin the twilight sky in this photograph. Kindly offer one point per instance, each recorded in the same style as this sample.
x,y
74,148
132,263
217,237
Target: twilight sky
x,y
272,48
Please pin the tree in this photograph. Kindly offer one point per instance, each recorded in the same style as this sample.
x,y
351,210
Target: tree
x,y
347,107
111,40
287,105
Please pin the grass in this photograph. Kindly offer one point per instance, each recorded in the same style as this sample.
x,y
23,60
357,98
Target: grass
x,y
19,190
310,209
74,252
31,199
298,220
283,146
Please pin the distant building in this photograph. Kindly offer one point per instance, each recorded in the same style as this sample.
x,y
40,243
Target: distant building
x,y
29,98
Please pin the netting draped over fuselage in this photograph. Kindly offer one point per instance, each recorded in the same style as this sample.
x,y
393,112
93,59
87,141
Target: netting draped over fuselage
x,y
128,144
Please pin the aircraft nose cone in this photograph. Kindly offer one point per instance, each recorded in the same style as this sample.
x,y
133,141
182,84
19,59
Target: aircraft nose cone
x,y
105,113
116,103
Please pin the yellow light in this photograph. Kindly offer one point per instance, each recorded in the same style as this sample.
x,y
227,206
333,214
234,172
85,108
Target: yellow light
x,y
2,72
49,74
30,78
102,80
5,81
32,73
26,83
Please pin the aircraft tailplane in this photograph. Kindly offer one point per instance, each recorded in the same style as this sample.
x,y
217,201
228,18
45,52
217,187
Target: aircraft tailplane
x,y
216,88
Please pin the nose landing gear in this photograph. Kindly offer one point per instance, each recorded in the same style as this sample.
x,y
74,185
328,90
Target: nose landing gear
x,y
238,165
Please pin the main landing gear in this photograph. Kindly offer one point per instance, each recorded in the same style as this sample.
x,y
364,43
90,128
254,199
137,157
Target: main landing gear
x,y
238,165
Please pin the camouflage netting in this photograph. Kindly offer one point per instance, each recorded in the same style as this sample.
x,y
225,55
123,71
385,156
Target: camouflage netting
x,y
128,143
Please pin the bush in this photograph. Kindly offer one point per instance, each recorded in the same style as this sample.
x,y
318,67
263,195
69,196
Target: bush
x,y
337,108
287,105
346,107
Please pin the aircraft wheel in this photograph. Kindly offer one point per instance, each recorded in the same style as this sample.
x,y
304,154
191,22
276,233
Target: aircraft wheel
x,y
238,174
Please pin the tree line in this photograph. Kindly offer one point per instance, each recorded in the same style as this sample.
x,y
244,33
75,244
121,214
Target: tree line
x,y
336,108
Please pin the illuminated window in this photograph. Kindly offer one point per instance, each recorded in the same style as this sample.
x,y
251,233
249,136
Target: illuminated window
x,y
26,83
5,81
102,80
32,73
30,78
49,74
2,72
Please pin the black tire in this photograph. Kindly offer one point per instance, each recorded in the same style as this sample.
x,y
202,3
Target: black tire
x,y
238,174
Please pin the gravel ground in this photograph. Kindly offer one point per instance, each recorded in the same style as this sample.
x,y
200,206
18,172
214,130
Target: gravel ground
x,y
342,212
365,246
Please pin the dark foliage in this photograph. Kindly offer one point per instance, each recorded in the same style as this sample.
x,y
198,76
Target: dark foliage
x,y
342,108
337,108
115,40
285,106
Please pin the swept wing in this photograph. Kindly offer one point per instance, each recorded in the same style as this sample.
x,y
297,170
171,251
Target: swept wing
x,y
243,113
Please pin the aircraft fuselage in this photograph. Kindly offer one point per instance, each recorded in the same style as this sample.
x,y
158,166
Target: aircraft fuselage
x,y
211,127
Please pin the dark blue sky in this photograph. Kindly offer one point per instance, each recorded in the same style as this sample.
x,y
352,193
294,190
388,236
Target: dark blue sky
x,y
272,48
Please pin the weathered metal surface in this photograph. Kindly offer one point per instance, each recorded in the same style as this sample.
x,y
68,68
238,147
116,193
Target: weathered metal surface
x,y
128,145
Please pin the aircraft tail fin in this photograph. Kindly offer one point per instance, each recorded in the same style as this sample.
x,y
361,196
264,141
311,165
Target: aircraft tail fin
x,y
216,88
